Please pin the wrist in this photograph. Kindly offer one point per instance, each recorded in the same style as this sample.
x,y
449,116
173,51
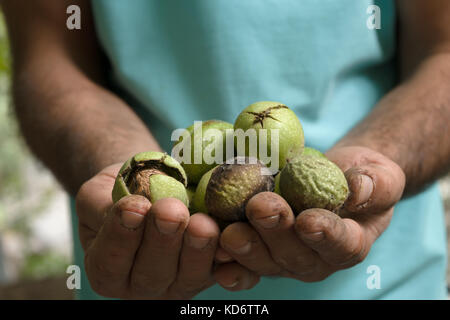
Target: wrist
x,y
385,148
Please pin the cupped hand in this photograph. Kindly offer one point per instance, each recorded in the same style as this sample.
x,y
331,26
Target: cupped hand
x,y
138,250
313,244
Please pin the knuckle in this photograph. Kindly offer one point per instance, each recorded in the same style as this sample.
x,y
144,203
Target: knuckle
x,y
148,286
191,287
281,261
103,268
299,264
349,258
305,264
100,287
357,257
100,282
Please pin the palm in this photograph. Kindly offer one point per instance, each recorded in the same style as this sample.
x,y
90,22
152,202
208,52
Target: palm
x,y
317,242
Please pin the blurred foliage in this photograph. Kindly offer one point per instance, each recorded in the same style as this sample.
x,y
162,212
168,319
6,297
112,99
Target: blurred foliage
x,y
43,264
17,210
5,58
12,155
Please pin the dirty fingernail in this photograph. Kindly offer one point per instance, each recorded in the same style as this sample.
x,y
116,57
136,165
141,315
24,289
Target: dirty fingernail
x,y
242,250
197,242
315,236
365,190
222,256
269,222
234,284
131,220
167,227
223,259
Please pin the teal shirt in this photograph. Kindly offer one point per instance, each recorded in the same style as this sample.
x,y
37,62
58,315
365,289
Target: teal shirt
x,y
180,61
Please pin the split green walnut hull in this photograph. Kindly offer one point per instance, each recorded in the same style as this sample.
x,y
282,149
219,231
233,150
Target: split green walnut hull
x,y
272,115
313,182
195,171
277,184
152,174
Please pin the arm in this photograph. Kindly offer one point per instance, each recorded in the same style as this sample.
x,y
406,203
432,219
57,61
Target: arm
x,y
83,133
411,125
72,123
401,146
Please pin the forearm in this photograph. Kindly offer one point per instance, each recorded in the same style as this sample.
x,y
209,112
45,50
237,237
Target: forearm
x,y
76,127
410,125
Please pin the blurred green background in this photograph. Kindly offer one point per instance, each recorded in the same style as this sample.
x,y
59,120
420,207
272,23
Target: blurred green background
x,y
35,236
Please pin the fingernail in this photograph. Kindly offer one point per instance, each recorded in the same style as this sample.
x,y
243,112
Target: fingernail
x,y
315,236
242,250
131,220
234,284
198,243
167,227
223,256
269,222
365,190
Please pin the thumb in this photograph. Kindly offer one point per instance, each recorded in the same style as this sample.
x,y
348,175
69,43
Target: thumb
x,y
374,187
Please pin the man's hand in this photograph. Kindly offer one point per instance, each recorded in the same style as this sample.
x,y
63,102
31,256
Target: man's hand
x,y
314,244
138,250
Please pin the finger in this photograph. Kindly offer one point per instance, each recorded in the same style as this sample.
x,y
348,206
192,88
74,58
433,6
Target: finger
x,y
339,242
197,256
110,257
374,187
157,259
244,244
222,256
376,183
93,200
272,217
234,277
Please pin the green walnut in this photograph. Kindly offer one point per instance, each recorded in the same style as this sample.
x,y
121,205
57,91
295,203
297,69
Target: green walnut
x,y
277,184
313,182
208,141
271,115
233,184
154,175
312,152
190,191
198,200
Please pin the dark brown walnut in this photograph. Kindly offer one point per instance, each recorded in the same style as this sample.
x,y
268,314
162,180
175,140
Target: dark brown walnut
x,y
232,185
